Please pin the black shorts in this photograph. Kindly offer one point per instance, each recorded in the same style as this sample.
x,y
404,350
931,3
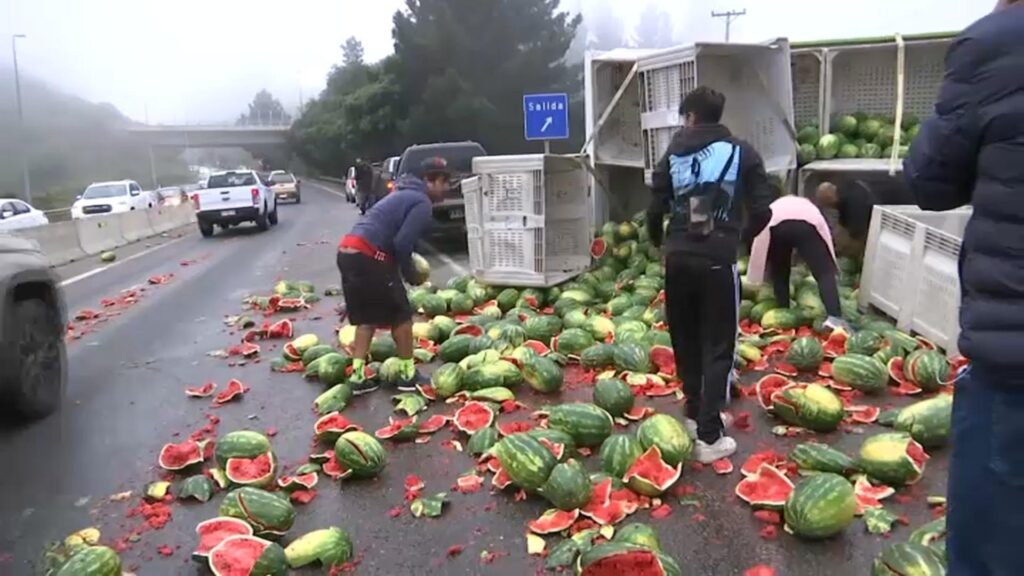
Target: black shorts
x,y
374,293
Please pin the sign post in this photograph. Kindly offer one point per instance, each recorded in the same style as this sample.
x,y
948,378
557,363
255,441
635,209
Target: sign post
x,y
546,118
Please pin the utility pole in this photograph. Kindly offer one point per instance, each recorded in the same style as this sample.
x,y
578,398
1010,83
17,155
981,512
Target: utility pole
x,y
21,119
729,17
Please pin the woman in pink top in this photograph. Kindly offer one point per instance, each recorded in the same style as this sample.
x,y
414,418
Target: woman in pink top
x,y
797,225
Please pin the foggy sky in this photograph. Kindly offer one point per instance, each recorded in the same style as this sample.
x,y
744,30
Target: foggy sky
x,y
201,61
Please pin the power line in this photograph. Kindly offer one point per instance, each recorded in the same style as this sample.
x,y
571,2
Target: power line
x,y
729,17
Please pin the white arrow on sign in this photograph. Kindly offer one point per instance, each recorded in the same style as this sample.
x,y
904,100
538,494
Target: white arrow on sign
x,y
547,122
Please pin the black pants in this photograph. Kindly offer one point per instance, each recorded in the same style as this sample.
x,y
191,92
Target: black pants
x,y
804,239
701,300
374,293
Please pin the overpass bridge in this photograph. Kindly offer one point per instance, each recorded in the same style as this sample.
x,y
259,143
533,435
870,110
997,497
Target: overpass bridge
x,y
212,136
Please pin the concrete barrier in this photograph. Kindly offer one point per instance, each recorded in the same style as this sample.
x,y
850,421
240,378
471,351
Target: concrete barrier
x,y
183,214
162,219
100,233
135,225
59,241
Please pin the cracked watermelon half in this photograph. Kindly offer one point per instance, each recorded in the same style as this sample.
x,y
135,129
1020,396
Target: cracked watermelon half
x,y
180,456
214,531
768,386
650,475
620,558
248,556
258,471
553,521
473,417
893,458
767,488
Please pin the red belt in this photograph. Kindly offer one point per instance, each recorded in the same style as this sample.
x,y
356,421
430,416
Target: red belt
x,y
359,244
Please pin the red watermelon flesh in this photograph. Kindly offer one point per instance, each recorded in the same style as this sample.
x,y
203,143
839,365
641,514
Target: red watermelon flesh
x,y
863,414
825,370
786,369
835,346
664,359
501,479
282,329
250,470
473,416
510,428
767,488
777,347
557,448
553,521
233,390
427,391
249,349
179,456
335,469
237,555
651,469
433,424
540,348
767,386
895,366
917,455
634,562
301,481
638,413
723,466
334,422
863,487
201,391
754,461
215,530
598,247
469,330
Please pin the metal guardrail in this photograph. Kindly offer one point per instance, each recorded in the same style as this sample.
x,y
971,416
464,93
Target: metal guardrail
x,y
58,214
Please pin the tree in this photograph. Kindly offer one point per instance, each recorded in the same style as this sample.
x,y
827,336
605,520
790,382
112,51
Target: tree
x,y
654,30
352,51
265,109
606,29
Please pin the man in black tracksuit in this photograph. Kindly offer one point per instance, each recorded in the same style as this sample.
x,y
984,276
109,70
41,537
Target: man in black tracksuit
x,y
701,182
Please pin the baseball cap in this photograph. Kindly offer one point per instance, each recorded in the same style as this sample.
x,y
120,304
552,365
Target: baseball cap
x,y
434,165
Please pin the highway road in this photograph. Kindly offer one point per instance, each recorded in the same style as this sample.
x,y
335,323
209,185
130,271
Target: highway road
x,y
125,400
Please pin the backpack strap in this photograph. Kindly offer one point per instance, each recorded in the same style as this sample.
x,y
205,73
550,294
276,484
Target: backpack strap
x,y
728,165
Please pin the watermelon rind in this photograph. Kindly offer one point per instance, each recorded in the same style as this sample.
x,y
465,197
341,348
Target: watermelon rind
x,y
817,457
887,458
908,558
618,452
92,561
270,562
820,506
241,444
269,514
766,488
668,434
928,421
227,527
361,454
330,546
813,406
641,560
650,475
639,534
567,487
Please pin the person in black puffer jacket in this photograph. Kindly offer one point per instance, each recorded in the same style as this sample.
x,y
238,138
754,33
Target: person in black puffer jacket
x,y
972,152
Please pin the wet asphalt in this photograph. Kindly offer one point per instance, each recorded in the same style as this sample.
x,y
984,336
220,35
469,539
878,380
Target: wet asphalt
x,y
125,400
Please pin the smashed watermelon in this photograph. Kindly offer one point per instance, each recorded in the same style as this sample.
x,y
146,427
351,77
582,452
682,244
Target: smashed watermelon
x,y
233,390
180,456
258,471
203,391
553,521
768,488
650,475
214,531
767,386
474,416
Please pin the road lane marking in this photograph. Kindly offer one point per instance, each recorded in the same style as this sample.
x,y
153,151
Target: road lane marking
x,y
96,271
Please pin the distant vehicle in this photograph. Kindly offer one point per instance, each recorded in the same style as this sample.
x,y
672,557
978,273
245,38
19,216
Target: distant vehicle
x,y
171,196
32,327
111,198
17,215
350,185
389,173
233,197
285,186
451,213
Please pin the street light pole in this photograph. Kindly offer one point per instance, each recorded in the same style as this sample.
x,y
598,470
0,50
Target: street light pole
x,y
729,17
21,119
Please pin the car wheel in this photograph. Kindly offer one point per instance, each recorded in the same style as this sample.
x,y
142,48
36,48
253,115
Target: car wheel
x,y
273,216
39,365
206,229
262,222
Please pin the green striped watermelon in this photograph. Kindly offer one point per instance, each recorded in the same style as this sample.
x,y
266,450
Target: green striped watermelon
x,y
928,421
360,453
865,342
805,353
526,461
598,356
639,534
630,331
588,424
241,444
92,561
929,369
893,458
782,319
482,440
268,513
820,506
567,487
614,395
668,435
906,558
818,457
633,357
813,406
618,453
861,372
330,546
543,374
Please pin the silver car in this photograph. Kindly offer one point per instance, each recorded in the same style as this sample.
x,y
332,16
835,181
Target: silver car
x,y
33,321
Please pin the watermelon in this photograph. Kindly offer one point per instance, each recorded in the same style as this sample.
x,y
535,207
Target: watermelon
x,y
332,368
909,558
588,424
813,406
473,417
805,353
928,369
820,506
568,486
305,481
241,444
618,305
818,457
600,327
781,319
598,356
893,458
542,328
632,357
572,341
618,452
553,521
575,319
650,474
639,534
543,375
768,386
482,440
330,546
619,558
258,471
560,443
214,531
928,421
92,561
526,461
630,331
268,513
316,352
445,326
432,305
334,399
864,342
360,453
331,425
456,348
668,434
860,372
507,299
247,556
614,396
182,455
766,488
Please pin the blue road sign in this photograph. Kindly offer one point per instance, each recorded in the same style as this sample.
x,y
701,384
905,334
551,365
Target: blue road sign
x,y
546,116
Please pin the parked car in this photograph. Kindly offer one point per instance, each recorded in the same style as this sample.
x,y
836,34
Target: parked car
x,y
233,197
285,186
171,196
350,185
32,328
16,215
111,198
389,173
450,213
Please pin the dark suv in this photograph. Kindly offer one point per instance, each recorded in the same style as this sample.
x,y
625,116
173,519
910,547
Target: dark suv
x,y
33,359
451,213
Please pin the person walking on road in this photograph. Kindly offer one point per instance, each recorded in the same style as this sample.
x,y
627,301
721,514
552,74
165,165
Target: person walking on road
x,y
364,185
374,258
971,152
701,182
797,225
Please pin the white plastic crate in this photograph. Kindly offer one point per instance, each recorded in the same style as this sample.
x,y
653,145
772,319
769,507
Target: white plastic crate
x,y
808,73
618,142
528,219
911,270
755,78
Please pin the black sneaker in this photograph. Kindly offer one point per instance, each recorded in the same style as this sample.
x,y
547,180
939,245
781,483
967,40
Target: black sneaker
x,y
411,384
364,386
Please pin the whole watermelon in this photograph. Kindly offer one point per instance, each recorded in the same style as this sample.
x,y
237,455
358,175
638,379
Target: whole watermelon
x,y
572,341
805,353
526,461
633,357
568,486
543,375
928,421
814,407
447,380
618,452
614,395
820,506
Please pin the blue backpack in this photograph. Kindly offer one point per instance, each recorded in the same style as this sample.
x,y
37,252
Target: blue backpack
x,y
704,186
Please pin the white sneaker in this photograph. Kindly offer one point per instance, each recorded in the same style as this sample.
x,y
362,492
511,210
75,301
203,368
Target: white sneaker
x,y
691,425
707,453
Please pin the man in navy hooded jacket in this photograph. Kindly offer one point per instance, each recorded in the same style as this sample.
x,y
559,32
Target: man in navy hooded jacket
x,y
972,152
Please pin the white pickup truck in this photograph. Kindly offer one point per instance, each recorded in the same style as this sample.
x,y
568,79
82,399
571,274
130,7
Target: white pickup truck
x,y
233,197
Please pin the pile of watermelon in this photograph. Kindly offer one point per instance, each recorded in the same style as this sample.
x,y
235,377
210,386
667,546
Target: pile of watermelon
x,y
857,135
